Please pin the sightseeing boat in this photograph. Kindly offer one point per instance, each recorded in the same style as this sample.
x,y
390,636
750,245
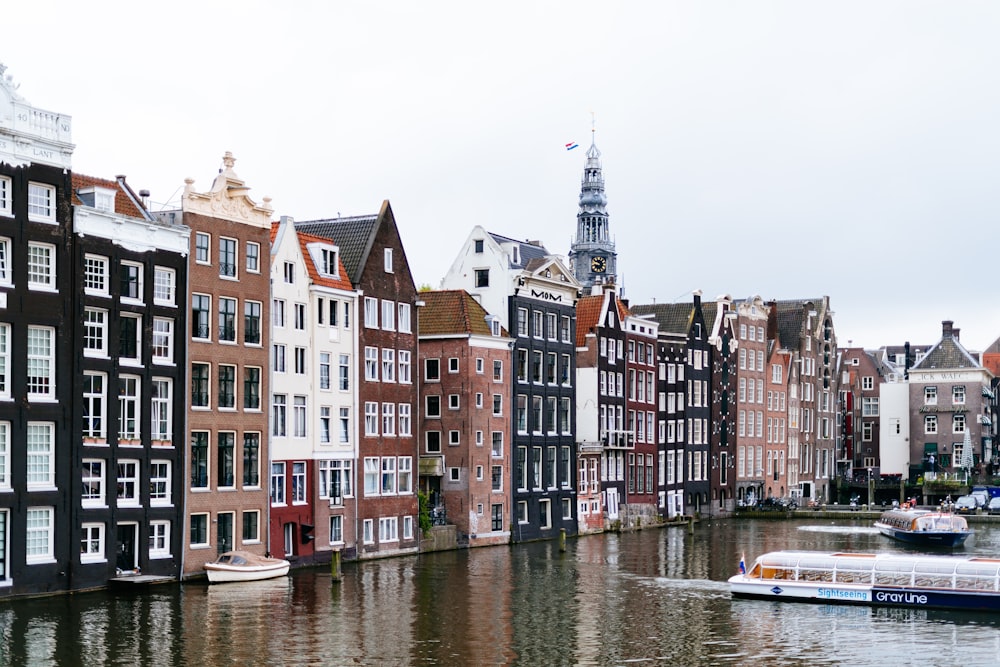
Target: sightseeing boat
x,y
924,528
244,566
886,580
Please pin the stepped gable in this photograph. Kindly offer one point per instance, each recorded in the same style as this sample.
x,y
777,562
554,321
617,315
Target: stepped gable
x,y
947,353
353,235
453,312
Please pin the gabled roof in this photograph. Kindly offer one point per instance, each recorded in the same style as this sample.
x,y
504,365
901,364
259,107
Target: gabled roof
x,y
677,318
127,203
527,250
588,313
341,281
947,353
452,312
353,235
791,316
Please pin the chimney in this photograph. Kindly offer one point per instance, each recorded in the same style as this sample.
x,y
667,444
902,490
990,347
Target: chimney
x,y
144,196
946,329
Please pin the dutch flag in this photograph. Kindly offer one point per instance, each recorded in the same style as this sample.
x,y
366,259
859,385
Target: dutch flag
x,y
743,564
571,145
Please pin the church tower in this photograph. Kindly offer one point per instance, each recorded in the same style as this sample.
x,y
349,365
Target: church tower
x,y
592,255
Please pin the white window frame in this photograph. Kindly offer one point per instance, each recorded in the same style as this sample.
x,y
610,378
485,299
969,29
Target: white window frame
x,y
164,480
41,202
93,476
161,409
6,207
4,360
39,535
140,279
159,539
129,396
163,341
95,426
41,274
252,258
40,462
128,478
164,286
95,275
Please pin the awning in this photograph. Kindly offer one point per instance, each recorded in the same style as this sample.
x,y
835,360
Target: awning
x,y
431,466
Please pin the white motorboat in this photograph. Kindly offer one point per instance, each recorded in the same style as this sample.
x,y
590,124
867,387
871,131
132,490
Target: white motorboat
x,y
245,566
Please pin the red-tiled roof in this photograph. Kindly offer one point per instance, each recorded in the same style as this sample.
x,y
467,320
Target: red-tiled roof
x,y
123,203
588,313
452,312
342,281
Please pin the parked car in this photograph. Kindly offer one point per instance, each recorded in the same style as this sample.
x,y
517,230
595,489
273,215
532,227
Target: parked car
x,y
982,497
994,505
966,505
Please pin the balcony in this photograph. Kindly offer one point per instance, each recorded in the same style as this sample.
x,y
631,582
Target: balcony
x,y
618,439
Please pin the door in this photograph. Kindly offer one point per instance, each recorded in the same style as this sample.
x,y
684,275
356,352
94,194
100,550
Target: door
x,y
224,534
127,557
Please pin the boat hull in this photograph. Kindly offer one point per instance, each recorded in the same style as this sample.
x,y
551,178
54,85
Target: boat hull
x,y
945,539
218,574
877,596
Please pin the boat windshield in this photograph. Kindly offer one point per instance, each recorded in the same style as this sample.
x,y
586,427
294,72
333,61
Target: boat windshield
x,y
231,559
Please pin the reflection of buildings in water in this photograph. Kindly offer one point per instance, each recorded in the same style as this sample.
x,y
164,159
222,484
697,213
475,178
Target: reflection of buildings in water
x,y
232,623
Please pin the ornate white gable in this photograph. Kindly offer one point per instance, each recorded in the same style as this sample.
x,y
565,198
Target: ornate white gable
x,y
29,135
228,199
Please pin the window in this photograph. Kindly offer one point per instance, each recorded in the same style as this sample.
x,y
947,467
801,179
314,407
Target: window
x,y
227,319
496,448
251,460
41,266
454,438
958,424
251,388
299,416
300,360
387,257
388,475
92,478
545,513
536,324
389,419
371,364
564,328
298,482
345,424
404,420
199,459
131,281
522,511
455,474
161,399
371,312
227,257
202,247
279,406
869,406
41,202
128,408
388,529
300,316
159,539
199,530
388,365
432,370
478,245
227,387
433,409
453,401
278,312
201,306
930,395
253,257
405,474
404,325
336,529
497,405
371,418
95,275
94,402
164,286
130,339
288,270
159,483
163,340
128,483
433,442
371,475
92,543
226,461
496,478
522,321
251,322
344,372
453,364
482,277
279,358
388,315
324,424
367,531
958,394
5,209
38,535
251,526
199,385
277,483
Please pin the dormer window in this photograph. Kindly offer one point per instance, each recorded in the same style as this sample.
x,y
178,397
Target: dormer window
x,y
326,258
328,262
103,199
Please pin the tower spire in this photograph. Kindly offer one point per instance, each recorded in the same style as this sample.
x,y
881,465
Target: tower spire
x,y
592,254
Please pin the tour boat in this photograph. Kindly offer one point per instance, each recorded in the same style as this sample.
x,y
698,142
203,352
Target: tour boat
x,y
244,566
924,527
924,581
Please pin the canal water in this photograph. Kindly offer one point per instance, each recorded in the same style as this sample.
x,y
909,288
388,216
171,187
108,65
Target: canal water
x,y
655,597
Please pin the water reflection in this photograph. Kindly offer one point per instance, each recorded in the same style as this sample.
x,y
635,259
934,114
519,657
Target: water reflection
x,y
655,597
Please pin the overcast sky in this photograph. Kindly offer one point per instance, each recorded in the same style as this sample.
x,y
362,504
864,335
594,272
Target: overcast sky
x,y
783,149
